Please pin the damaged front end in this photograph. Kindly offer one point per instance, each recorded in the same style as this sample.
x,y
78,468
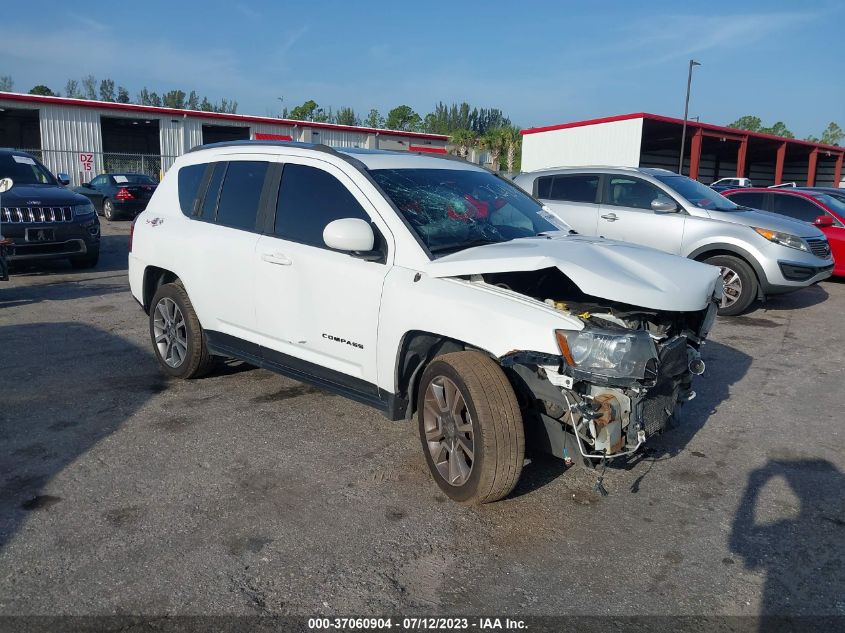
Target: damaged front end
x,y
616,382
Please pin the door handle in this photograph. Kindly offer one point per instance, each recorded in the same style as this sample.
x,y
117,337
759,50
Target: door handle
x,y
610,217
276,258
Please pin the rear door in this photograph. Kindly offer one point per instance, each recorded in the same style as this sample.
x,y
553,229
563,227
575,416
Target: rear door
x,y
574,198
626,214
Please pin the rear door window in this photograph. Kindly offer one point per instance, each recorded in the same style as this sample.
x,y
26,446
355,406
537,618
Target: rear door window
x,y
240,195
796,207
189,180
212,192
575,188
753,199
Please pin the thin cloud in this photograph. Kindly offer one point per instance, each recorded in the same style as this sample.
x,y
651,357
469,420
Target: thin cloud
x,y
247,11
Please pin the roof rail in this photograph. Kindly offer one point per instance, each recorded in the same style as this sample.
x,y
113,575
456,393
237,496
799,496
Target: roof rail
x,y
320,147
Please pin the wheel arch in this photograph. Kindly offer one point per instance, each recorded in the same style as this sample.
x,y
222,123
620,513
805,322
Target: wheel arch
x,y
417,349
154,278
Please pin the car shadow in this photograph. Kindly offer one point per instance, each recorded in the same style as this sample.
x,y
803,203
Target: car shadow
x,y
790,524
804,298
49,420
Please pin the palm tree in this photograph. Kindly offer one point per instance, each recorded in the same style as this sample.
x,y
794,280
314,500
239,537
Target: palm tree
x,y
463,140
513,144
494,142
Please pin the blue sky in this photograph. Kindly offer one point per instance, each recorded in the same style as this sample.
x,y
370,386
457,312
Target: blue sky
x,y
540,62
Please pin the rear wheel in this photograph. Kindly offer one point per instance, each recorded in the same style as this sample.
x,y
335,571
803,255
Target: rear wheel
x,y
108,210
470,427
740,284
177,335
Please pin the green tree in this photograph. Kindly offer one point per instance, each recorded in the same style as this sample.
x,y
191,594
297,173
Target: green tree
x,y
43,90
323,116
403,118
193,102
493,140
778,129
374,119
7,84
304,112
89,87
206,105
155,100
107,90
513,149
174,99
747,122
347,116
72,89
463,140
832,134
122,95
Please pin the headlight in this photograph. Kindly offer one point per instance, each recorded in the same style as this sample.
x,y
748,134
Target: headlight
x,y
611,353
784,239
83,209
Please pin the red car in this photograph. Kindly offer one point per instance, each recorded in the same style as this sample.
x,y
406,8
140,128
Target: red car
x,y
815,207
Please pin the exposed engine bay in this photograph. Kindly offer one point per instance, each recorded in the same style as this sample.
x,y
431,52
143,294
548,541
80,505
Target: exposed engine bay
x,y
617,382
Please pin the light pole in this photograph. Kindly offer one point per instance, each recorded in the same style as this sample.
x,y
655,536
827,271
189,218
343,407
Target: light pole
x,y
692,63
281,103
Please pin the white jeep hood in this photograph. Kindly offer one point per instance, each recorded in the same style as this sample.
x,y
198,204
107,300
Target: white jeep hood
x,y
603,268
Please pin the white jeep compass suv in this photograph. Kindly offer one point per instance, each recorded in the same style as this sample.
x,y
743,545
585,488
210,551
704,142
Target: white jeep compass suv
x,y
421,286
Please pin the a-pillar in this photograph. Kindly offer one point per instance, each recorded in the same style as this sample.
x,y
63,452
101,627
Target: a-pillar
x,y
811,168
781,159
695,154
741,156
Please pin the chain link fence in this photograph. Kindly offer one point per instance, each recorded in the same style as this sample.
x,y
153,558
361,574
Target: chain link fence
x,y
82,166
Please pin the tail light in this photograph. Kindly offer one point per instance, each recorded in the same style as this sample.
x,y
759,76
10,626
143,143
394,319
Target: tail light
x,y
132,232
124,194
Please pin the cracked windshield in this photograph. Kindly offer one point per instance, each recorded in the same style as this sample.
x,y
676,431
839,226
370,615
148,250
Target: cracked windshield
x,y
454,209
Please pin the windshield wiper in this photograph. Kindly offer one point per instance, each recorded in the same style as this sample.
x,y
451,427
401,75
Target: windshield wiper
x,y
463,245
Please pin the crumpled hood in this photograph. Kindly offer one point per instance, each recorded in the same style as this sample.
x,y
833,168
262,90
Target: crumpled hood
x,y
603,268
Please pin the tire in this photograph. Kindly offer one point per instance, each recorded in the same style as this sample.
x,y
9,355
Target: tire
x,y
89,260
182,353
738,276
108,210
494,434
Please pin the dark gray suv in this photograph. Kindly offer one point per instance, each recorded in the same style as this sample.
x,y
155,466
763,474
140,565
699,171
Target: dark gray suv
x,y
41,218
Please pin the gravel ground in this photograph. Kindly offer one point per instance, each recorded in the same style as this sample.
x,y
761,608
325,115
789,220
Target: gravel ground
x,y
123,492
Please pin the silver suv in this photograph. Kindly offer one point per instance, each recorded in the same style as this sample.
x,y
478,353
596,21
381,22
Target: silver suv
x,y
759,253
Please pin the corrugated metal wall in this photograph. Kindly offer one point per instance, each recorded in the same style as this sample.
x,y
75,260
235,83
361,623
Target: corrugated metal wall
x,y
612,143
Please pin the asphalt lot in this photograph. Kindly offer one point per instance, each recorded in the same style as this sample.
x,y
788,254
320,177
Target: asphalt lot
x,y
247,493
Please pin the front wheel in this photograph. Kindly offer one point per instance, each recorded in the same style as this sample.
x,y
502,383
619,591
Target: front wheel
x,y
740,284
177,335
470,427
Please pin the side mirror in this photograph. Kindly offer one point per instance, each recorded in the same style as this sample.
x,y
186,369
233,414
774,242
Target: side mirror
x,y
823,221
63,178
663,206
6,184
351,235
87,185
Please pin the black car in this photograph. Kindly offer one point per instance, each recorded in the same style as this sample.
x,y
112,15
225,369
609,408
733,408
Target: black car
x,y
42,219
119,195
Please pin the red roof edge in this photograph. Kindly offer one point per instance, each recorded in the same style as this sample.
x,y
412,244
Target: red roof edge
x,y
132,107
690,124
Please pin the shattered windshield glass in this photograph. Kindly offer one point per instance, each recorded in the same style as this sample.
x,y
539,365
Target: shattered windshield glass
x,y
453,209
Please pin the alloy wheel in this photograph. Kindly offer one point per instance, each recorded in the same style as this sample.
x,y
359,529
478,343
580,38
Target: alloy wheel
x,y
733,287
170,332
448,430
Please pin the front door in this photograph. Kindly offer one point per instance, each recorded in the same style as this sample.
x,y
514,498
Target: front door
x,y
626,215
317,310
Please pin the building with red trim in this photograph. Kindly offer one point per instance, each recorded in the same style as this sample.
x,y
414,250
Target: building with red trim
x,y
83,138
711,151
